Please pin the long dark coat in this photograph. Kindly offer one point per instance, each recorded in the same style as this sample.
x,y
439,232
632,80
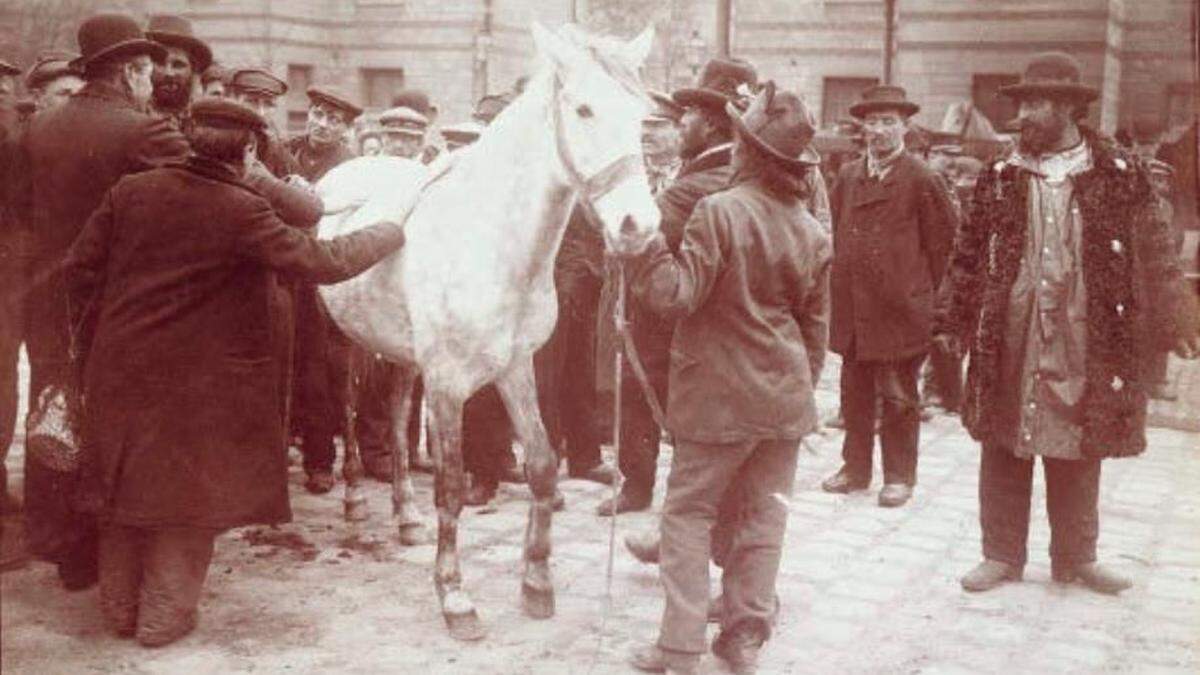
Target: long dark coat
x,y
170,286
1131,275
891,242
750,290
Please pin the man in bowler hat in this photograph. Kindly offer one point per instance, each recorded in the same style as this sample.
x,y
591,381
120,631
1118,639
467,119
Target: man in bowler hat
x,y
177,77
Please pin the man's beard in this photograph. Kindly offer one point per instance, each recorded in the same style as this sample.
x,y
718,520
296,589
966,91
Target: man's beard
x,y
171,93
1038,138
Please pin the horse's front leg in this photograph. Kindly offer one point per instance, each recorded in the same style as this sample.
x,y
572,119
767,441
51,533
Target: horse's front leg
x,y
446,437
354,501
404,506
519,391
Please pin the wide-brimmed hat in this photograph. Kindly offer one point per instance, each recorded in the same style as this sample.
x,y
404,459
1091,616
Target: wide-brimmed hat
x,y
722,81
463,133
665,110
404,121
107,36
7,68
1053,75
884,97
416,100
779,124
489,107
50,65
258,81
223,113
336,99
176,31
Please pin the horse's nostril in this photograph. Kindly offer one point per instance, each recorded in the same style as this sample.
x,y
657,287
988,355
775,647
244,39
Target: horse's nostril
x,y
628,227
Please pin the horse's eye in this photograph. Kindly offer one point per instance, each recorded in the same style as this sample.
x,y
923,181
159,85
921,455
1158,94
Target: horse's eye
x,y
584,111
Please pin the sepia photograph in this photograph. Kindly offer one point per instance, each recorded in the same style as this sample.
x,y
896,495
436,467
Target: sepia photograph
x,y
590,337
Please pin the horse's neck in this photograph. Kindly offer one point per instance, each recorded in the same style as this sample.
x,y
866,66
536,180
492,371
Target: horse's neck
x,y
513,172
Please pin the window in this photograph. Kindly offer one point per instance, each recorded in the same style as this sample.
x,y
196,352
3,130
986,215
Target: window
x,y
380,85
839,94
985,94
299,79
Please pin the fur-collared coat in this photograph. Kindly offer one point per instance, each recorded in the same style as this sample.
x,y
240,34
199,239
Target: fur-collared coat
x,y
1136,299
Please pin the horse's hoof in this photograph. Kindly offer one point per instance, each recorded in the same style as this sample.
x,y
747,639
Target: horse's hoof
x,y
356,511
538,603
414,534
465,627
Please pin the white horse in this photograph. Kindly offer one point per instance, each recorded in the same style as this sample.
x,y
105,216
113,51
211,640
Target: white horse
x,y
471,296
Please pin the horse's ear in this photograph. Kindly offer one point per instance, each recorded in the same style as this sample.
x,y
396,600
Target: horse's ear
x,y
638,49
553,47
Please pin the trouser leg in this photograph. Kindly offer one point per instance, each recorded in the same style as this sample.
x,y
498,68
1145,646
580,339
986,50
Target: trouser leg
x,y
640,439
901,428
487,436
699,476
945,374
1072,503
373,418
579,421
729,523
121,550
763,483
1005,487
175,564
316,407
857,395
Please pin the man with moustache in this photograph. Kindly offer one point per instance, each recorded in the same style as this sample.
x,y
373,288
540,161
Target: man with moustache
x,y
176,77
1060,282
261,91
75,153
893,226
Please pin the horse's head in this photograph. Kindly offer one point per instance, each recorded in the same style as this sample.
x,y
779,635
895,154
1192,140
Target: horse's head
x,y
597,109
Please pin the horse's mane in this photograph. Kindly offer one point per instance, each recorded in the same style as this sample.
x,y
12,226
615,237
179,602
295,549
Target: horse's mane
x,y
607,52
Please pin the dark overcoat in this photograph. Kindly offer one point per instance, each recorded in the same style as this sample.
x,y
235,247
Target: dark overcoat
x,y
170,287
1130,273
750,290
891,242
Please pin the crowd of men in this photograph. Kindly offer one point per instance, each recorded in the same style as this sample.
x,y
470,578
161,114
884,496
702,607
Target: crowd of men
x,y
1053,266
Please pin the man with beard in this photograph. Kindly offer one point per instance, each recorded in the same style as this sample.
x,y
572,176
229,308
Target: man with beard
x,y
1060,281
175,77
75,153
706,139
893,226
321,350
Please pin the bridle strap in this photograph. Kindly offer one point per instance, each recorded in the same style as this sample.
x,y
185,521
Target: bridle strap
x,y
604,181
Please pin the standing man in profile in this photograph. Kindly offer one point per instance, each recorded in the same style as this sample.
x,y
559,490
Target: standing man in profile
x,y
75,153
893,226
177,76
1061,281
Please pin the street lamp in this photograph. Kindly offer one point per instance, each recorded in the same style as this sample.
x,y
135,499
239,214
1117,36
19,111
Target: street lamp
x,y
696,48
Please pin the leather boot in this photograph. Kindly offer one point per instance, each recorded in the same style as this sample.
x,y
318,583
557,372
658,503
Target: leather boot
x,y
1092,576
739,650
894,494
845,482
654,659
990,574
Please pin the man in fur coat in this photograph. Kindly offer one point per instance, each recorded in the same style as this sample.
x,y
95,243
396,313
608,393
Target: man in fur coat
x,y
1056,275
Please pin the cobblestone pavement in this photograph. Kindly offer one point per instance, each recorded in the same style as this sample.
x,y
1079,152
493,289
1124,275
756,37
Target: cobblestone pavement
x,y
863,589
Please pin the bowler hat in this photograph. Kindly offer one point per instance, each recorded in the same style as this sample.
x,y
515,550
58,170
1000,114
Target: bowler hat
x,y
258,81
108,36
416,100
884,97
175,31
334,98
722,81
7,68
489,107
404,121
1052,75
780,125
49,66
666,110
223,113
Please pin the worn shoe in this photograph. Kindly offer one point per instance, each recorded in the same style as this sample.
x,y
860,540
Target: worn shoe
x,y
625,503
479,494
739,650
1092,576
601,473
643,546
158,632
988,575
378,467
320,482
843,482
655,659
894,494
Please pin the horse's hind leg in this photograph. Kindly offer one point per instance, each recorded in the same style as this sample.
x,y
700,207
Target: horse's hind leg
x,y
404,507
446,430
354,501
541,465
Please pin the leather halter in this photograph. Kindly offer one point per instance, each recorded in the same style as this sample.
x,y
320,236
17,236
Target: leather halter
x,y
602,182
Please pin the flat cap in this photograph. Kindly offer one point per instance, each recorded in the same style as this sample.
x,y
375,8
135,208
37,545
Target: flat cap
x,y
403,120
257,80
223,113
334,98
